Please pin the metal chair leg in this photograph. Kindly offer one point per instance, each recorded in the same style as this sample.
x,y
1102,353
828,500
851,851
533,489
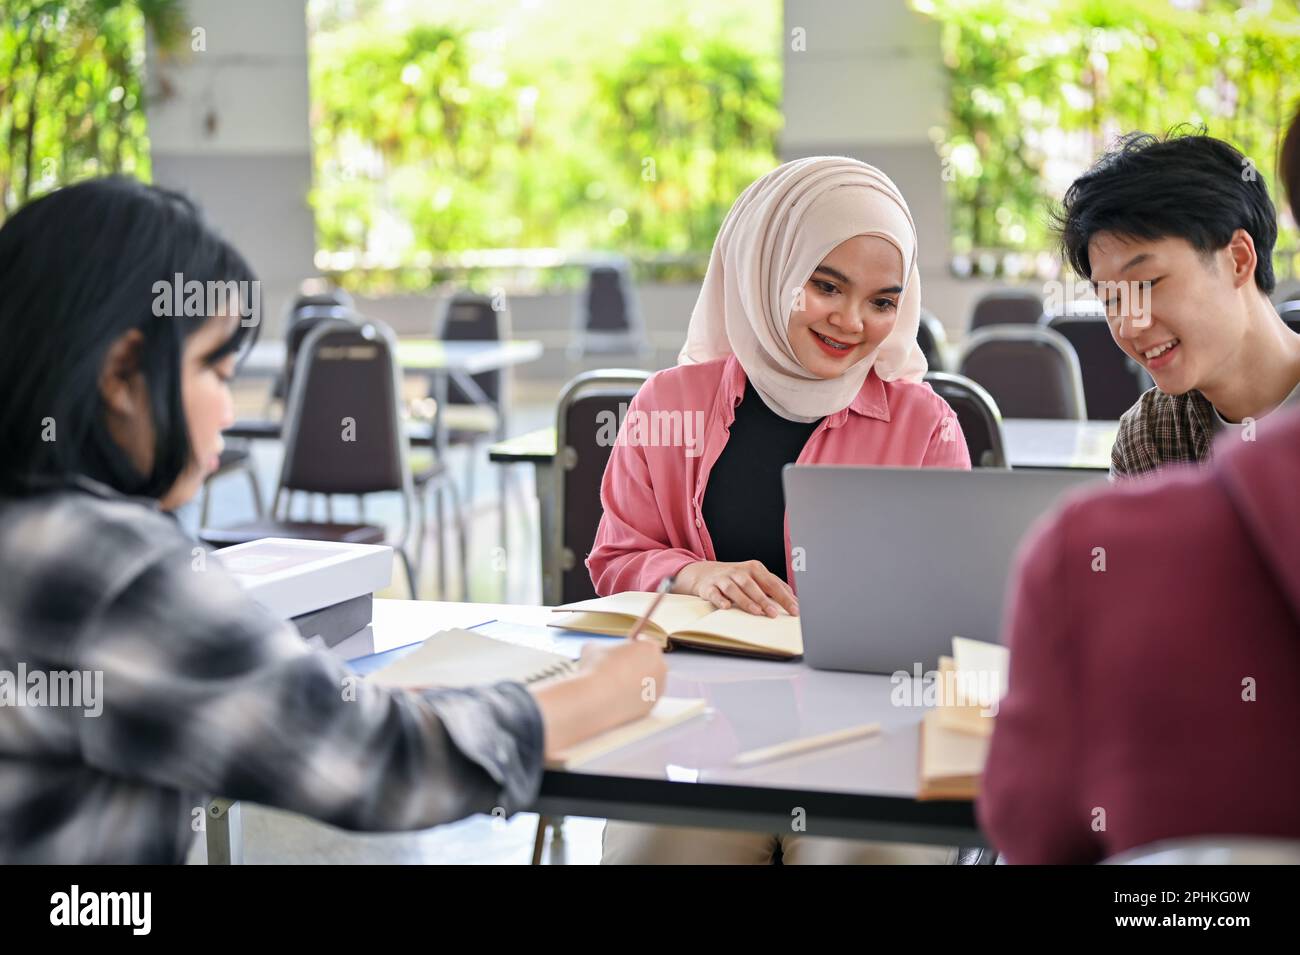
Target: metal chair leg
x,y
469,472
204,503
255,488
420,528
439,523
434,525
462,546
410,573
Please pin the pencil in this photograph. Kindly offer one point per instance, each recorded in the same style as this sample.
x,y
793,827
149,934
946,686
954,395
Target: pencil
x,y
663,588
805,745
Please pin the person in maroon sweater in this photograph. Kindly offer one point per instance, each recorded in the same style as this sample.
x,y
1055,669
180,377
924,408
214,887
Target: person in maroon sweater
x,y
1154,628
1160,696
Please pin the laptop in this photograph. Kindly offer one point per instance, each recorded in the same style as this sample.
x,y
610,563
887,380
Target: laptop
x,y
895,562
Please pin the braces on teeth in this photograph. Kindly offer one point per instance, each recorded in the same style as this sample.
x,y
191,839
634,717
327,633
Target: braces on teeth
x,y
835,345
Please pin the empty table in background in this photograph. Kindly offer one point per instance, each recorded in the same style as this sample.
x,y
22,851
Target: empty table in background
x,y
1041,443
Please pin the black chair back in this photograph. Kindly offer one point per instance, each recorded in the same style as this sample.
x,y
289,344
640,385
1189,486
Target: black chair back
x,y
1290,312
930,336
978,415
301,322
607,301
1031,371
471,317
590,408
327,297
1112,381
607,319
1007,306
343,429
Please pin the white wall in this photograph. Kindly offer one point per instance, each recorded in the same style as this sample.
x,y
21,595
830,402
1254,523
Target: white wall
x,y
870,84
228,125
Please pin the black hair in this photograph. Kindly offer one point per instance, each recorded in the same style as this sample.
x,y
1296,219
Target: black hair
x,y
1290,163
1186,185
79,268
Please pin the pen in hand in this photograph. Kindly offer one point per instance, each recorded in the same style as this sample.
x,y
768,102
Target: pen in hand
x,y
664,586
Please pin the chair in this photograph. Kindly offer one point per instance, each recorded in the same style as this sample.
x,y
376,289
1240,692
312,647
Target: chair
x,y
471,317
585,402
1112,381
608,319
344,434
1290,312
1006,306
1286,291
475,409
306,312
581,455
1213,850
302,319
976,855
932,339
978,415
1031,371
320,291
234,457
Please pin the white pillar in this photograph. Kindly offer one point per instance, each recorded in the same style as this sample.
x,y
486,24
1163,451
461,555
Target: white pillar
x,y
865,78
228,126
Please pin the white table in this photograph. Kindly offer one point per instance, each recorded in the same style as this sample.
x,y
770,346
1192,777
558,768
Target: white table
x,y
416,354
864,789
1045,443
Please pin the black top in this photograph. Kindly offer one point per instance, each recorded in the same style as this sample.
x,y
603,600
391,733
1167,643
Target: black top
x,y
744,505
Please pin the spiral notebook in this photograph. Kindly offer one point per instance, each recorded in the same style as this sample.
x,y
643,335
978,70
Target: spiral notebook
x,y
463,658
460,658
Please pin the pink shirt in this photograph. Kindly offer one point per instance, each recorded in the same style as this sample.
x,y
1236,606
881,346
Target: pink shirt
x,y
677,425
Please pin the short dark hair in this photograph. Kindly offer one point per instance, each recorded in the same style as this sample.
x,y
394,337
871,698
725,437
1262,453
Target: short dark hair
x,y
1291,165
78,269
1186,185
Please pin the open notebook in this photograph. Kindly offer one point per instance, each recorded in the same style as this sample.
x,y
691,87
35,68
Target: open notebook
x,y
462,658
683,620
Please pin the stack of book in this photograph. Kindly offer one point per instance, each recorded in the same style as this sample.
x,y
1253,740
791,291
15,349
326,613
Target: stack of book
x,y
969,686
325,589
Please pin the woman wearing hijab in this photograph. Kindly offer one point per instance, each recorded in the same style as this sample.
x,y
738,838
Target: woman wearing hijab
x,y
802,348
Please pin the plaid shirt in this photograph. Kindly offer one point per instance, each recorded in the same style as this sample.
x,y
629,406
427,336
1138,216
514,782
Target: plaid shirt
x,y
204,693
1163,429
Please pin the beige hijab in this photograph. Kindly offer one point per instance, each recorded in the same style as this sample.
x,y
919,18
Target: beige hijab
x,y
777,232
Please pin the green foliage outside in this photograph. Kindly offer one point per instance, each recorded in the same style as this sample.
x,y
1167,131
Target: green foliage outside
x,y
631,128
569,127
1040,87
71,91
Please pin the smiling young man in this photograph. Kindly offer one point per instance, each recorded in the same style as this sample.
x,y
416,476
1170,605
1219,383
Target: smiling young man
x,y
1177,236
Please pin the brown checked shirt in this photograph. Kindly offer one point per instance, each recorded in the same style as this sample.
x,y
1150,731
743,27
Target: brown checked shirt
x,y
1163,429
